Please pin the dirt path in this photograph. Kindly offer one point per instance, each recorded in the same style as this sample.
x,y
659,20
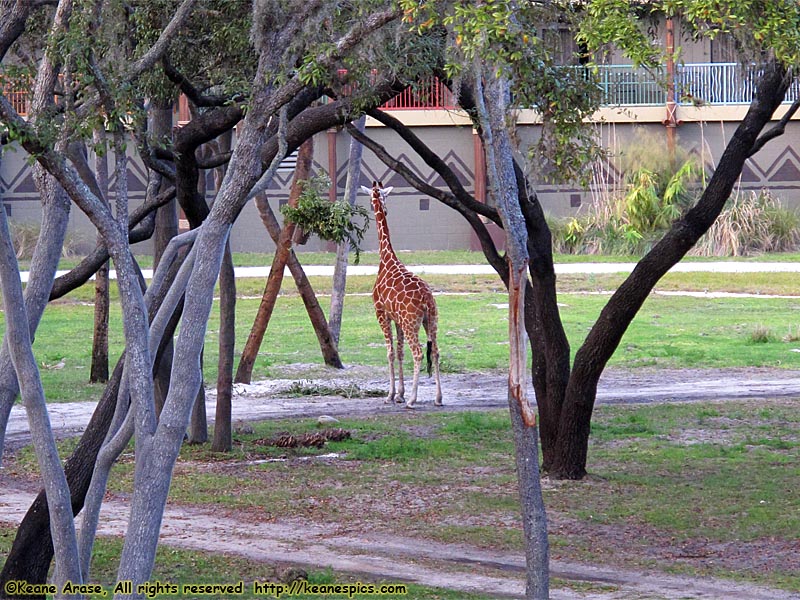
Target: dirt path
x,y
396,559
463,391
405,559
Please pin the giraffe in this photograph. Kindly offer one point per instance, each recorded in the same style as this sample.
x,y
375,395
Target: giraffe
x,y
402,297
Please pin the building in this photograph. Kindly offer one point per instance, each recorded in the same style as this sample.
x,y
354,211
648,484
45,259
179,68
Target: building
x,y
698,111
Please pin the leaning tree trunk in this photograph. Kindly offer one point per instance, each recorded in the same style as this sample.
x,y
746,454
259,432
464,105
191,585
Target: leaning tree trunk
x,y
282,252
604,337
20,348
327,344
343,249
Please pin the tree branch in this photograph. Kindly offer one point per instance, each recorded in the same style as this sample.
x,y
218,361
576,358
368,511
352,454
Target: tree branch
x,y
92,262
212,162
490,251
437,164
158,49
191,92
777,131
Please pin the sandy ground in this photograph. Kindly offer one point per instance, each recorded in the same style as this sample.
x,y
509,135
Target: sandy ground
x,y
394,558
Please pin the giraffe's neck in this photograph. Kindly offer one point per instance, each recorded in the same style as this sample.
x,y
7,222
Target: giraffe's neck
x,y
388,257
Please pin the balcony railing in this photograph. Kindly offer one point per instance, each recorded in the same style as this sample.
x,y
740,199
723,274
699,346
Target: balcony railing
x,y
622,85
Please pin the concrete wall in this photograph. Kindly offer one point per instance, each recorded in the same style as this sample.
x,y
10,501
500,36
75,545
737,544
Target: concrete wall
x,y
418,222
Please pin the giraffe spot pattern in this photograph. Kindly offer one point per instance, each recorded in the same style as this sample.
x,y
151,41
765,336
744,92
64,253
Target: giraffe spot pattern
x,y
402,297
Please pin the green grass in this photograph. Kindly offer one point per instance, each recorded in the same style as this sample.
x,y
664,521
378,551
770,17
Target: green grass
x,y
668,331
662,477
441,257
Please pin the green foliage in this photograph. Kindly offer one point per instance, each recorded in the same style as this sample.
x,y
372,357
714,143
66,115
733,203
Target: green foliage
x,y
331,221
759,28
514,39
751,223
630,223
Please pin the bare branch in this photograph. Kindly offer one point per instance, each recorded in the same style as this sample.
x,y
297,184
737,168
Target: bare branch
x,y
437,164
212,162
479,227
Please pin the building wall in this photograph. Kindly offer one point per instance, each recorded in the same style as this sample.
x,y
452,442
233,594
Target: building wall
x,y
418,222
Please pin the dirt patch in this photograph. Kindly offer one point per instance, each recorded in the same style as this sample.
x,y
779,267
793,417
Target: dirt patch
x,y
383,533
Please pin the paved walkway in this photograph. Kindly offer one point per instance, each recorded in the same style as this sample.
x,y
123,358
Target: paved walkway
x,y
561,268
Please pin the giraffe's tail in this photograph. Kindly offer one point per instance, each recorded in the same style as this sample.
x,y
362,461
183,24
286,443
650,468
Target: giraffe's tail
x,y
428,357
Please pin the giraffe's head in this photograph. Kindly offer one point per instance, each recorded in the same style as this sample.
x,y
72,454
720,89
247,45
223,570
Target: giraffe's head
x,y
378,194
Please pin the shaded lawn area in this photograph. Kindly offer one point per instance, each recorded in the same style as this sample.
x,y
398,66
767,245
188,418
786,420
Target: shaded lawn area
x,y
700,489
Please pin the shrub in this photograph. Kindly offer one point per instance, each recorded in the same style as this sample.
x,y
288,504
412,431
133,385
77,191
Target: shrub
x,y
629,224
753,223
761,335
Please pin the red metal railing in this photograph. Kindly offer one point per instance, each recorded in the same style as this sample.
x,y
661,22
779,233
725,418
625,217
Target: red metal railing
x,y
19,98
429,94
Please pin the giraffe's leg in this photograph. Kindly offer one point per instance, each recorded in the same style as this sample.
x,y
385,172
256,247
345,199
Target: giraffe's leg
x,y
435,359
416,350
431,329
386,327
401,387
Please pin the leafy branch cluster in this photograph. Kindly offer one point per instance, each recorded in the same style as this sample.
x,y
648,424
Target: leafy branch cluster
x,y
331,221
522,43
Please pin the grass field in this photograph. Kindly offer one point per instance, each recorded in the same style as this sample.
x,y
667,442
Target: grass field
x,y
669,331
696,489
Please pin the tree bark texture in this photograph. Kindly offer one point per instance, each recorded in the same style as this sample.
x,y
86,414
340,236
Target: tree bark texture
x,y
343,249
275,279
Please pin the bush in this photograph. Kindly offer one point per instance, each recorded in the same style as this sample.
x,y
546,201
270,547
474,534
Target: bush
x,y
751,224
631,223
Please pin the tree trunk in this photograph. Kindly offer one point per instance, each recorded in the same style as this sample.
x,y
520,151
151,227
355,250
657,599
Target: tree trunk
x,y
603,339
342,251
159,117
99,368
223,441
492,100
227,342
19,340
32,550
248,359
198,426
